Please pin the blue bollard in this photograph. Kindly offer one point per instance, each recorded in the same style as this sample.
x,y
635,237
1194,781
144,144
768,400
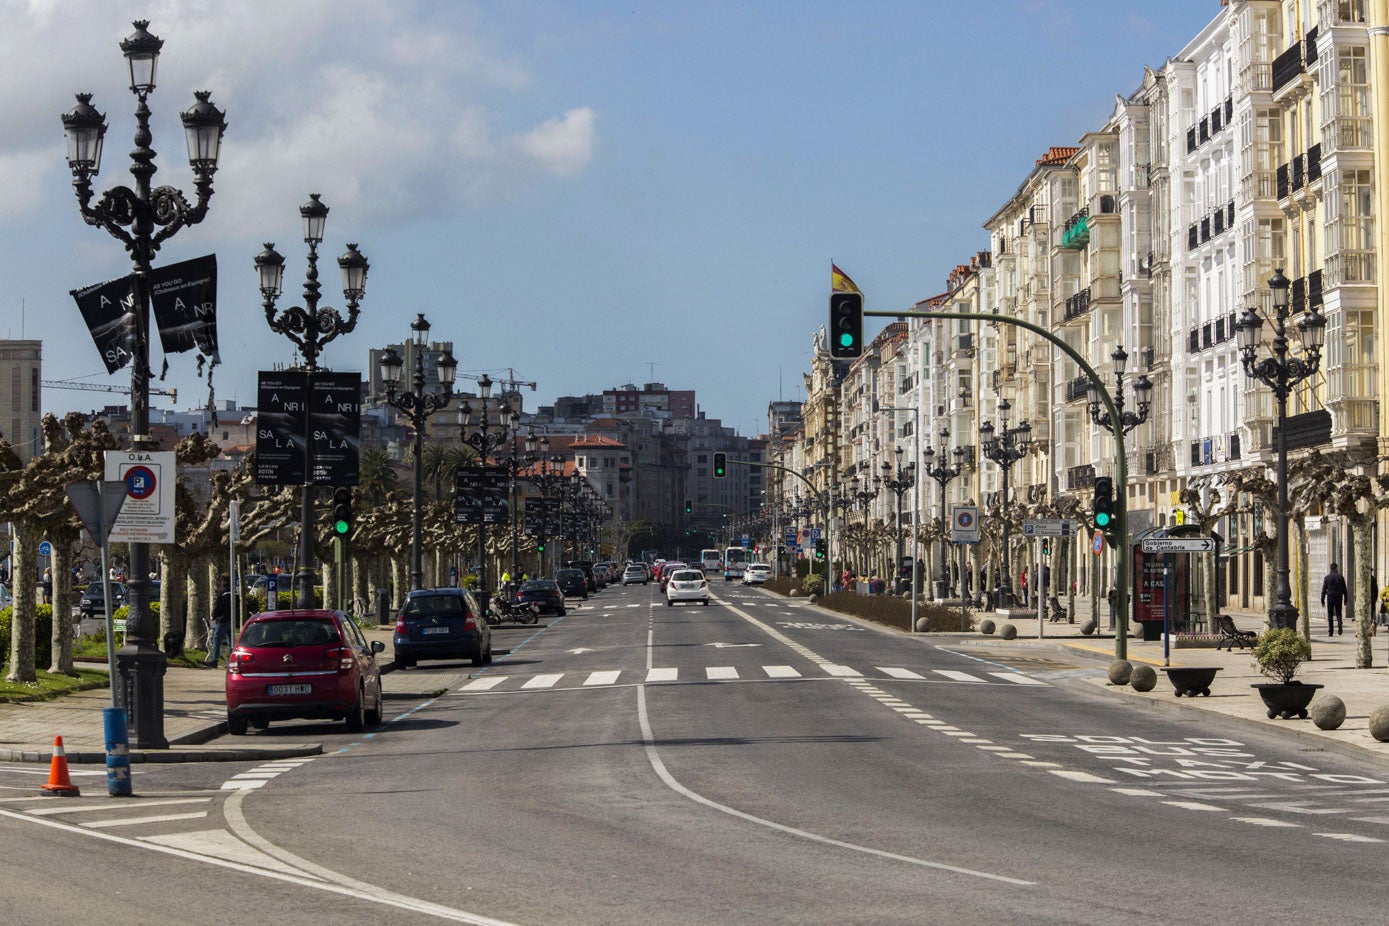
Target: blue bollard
x,y
118,782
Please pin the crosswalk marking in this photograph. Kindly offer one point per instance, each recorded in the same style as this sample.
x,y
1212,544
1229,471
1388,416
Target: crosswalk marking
x,y
781,672
842,671
899,673
121,805
131,821
958,676
1017,678
662,675
716,673
548,680
602,678
485,684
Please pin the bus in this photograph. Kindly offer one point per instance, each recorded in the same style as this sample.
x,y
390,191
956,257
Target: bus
x,y
711,561
735,563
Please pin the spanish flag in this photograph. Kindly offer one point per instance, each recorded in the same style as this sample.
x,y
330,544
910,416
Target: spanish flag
x,y
840,282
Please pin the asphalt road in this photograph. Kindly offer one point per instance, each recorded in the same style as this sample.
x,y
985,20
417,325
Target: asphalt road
x,y
754,761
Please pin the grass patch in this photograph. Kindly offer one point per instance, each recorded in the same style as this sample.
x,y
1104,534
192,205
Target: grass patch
x,y
888,610
92,648
50,686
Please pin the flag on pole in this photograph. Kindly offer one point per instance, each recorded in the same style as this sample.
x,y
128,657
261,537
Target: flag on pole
x,y
840,282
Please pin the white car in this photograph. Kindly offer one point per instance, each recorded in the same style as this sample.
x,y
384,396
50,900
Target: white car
x,y
687,585
757,573
635,573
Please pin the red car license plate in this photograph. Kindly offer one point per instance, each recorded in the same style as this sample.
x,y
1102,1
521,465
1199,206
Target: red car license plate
x,y
290,689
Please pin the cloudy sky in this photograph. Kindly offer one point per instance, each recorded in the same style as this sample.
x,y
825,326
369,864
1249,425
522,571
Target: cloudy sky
x,y
581,193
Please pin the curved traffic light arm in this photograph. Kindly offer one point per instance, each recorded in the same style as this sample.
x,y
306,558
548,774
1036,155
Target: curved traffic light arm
x,y
1121,469
822,501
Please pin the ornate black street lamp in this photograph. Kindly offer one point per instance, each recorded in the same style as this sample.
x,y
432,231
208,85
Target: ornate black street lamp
x,y
485,434
546,477
1005,447
417,405
1281,373
142,219
936,468
309,328
898,483
1142,390
517,461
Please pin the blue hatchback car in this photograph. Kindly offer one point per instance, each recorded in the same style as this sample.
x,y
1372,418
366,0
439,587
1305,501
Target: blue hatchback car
x,y
441,623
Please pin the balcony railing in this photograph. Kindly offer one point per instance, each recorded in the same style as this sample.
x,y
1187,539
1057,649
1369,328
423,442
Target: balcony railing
x,y
1298,175
1193,341
1077,388
1078,304
1314,290
1282,181
1314,163
1287,66
1193,237
1080,477
1311,42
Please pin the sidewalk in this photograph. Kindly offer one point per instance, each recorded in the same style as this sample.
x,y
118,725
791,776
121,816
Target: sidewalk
x,y
195,711
1332,665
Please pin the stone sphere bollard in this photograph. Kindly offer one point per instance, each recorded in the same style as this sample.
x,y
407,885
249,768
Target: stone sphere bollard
x,y
795,593
1007,632
923,624
1087,628
812,598
1143,678
1120,670
986,626
1328,712
1379,724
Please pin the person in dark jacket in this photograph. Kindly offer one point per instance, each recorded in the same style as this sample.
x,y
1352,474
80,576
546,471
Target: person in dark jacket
x,y
1333,595
221,621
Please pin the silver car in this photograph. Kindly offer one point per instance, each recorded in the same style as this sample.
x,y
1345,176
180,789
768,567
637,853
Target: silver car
x,y
635,573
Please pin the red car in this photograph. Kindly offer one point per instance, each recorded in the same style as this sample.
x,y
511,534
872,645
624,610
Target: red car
x,y
306,664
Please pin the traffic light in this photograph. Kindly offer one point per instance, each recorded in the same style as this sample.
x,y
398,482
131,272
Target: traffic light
x,y
720,465
1104,502
1046,546
819,547
342,511
846,325
540,547
689,506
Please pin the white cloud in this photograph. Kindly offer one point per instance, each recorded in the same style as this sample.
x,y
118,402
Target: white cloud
x,y
21,178
565,145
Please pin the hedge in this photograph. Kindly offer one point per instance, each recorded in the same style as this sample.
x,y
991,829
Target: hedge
x,y
43,635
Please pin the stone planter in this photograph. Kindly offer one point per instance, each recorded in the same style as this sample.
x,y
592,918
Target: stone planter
x,y
1191,680
1287,701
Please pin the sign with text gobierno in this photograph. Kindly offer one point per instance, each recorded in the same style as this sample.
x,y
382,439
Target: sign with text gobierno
x,y
147,515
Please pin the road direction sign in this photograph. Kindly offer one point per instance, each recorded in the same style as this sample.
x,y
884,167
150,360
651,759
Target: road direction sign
x,y
1179,545
1048,527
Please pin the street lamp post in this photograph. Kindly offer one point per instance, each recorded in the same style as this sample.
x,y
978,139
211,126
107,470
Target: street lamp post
x,y
516,462
1142,389
898,483
142,219
546,477
485,435
310,328
1005,447
1281,373
417,406
936,468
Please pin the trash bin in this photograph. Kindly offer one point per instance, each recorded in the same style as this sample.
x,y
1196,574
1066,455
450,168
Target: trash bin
x,y
383,606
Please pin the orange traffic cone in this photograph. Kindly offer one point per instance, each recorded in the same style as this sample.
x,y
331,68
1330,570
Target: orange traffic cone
x,y
59,782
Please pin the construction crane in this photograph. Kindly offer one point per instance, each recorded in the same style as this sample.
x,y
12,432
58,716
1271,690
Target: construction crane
x,y
505,386
105,387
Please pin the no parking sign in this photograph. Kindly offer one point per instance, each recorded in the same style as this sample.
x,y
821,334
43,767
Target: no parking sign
x,y
964,524
148,513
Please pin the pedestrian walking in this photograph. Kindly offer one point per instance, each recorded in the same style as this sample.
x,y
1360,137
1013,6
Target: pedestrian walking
x,y
1333,595
221,621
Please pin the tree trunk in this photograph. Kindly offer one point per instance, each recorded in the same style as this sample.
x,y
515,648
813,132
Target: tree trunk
x,y
62,608
330,585
199,607
1270,556
1095,592
1298,577
22,619
173,597
400,581
1366,597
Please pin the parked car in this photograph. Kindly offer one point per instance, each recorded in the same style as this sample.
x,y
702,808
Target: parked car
x,y
441,623
757,573
544,593
635,573
302,664
572,582
603,574
586,567
687,585
93,605
667,570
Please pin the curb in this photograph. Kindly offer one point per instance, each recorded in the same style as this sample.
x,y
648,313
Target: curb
x,y
173,755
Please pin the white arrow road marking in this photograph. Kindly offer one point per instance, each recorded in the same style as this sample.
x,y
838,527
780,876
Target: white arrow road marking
x,y
730,645
580,651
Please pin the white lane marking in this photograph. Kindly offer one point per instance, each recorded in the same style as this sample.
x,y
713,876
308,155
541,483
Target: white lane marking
x,y
1137,792
1266,821
1040,764
997,748
1301,807
131,821
1348,837
242,785
1192,805
959,676
218,844
1013,755
841,671
117,805
781,672
1072,775
1018,679
255,773
662,675
659,766
603,678
486,683
977,741
715,673
548,680
899,673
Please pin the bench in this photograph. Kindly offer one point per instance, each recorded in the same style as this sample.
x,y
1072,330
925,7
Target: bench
x,y
1227,631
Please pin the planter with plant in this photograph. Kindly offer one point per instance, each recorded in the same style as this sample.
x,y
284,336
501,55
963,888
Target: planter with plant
x,y
1278,655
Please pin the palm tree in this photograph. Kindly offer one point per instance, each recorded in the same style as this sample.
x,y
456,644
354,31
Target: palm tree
x,y
376,476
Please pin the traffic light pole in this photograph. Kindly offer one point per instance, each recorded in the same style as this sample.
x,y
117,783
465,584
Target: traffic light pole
x,y
1121,470
824,508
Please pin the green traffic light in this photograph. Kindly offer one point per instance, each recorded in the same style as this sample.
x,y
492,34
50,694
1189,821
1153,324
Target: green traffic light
x,y
340,527
1101,519
846,339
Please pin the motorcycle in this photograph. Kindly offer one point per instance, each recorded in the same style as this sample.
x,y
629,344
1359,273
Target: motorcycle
x,y
508,609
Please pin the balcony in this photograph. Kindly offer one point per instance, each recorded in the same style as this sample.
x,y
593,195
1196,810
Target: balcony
x,y
1233,443
1193,341
1314,163
1287,66
1282,182
1080,477
1298,302
1217,117
1206,339
1314,300
1190,140
1203,132
963,343
1077,232
1218,222
1078,304
1077,388
1205,229
1298,175
1192,238
1311,42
